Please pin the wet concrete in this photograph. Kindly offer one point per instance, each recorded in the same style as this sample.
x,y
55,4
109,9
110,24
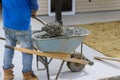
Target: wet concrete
x,y
53,29
66,32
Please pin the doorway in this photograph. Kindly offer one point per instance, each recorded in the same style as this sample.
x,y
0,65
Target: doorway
x,y
68,7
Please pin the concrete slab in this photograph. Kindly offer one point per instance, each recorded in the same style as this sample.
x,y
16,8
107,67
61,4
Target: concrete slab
x,y
83,18
100,69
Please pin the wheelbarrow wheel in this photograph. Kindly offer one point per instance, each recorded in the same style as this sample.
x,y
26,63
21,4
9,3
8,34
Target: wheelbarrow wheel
x,y
76,67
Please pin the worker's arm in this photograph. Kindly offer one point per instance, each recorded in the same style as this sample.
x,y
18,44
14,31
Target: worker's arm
x,y
34,7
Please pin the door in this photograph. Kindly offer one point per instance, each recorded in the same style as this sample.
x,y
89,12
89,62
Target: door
x,y
68,7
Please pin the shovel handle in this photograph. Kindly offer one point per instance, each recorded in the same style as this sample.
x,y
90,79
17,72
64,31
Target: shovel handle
x,y
40,20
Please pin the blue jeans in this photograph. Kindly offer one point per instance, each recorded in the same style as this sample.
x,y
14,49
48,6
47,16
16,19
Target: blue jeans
x,y
25,40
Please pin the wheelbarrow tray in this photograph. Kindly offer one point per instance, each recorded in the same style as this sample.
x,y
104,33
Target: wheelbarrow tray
x,y
59,44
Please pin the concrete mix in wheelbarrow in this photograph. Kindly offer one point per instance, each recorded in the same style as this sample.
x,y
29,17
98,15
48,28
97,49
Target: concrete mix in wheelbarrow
x,y
66,32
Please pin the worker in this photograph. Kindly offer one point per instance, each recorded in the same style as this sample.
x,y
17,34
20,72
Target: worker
x,y
16,21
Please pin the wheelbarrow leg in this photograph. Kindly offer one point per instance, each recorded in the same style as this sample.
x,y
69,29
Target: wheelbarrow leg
x,y
81,48
59,69
42,60
45,62
47,68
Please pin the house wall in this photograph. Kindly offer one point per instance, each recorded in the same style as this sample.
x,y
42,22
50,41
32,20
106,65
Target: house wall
x,y
96,5
43,7
85,6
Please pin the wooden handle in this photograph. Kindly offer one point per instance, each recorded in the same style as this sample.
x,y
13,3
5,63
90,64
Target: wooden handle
x,y
61,56
107,58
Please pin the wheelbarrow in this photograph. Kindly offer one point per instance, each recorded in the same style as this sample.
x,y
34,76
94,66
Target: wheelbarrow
x,y
64,46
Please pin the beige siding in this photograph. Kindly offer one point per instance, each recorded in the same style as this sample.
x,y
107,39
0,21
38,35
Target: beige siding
x,y
96,5
84,6
43,7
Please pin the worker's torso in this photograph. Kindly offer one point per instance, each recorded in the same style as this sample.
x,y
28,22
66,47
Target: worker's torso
x,y
16,14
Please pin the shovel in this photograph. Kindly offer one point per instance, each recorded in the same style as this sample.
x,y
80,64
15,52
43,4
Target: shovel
x,y
53,29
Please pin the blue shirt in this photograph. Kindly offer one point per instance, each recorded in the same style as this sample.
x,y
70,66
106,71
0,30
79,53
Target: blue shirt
x,y
17,13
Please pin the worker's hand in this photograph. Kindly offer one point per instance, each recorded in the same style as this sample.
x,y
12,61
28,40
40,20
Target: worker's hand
x,y
34,13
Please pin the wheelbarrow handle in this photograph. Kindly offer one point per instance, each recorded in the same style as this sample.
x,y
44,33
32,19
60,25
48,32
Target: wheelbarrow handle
x,y
60,56
2,38
10,47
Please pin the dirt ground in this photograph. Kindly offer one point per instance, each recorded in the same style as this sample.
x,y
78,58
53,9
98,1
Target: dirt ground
x,y
104,37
